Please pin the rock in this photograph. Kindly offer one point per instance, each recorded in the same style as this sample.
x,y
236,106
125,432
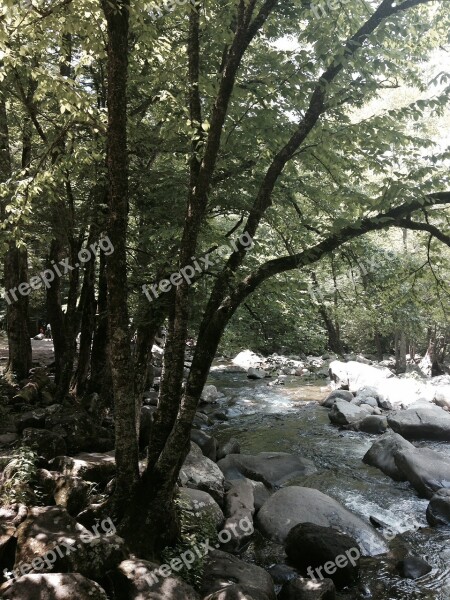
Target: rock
x,y
371,410
207,444
210,394
345,413
201,504
382,455
312,546
373,424
253,373
45,443
140,579
98,467
370,401
6,439
292,505
91,554
230,447
337,395
427,470
442,396
239,508
306,589
282,573
438,510
33,418
80,431
201,473
413,567
271,468
247,359
223,570
72,493
355,375
430,423
54,586
260,493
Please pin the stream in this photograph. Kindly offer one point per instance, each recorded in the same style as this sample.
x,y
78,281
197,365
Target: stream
x,y
288,418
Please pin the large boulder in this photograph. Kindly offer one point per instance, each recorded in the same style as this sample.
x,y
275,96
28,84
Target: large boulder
x,y
373,424
354,375
201,473
382,454
90,466
271,468
64,545
309,547
438,510
430,423
140,579
202,505
331,399
427,470
247,359
53,586
442,396
45,443
345,413
293,505
223,570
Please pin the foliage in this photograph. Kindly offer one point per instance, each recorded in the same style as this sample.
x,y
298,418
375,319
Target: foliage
x,y
18,476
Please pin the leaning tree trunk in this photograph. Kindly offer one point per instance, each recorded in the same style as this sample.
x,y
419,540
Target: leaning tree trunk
x,y
15,267
126,442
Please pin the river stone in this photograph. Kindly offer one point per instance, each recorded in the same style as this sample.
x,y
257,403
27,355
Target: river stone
x,y
223,570
140,579
442,396
53,586
430,423
309,545
345,413
292,505
201,505
373,424
46,528
271,468
337,395
253,373
382,454
438,510
306,589
427,470
201,473
413,567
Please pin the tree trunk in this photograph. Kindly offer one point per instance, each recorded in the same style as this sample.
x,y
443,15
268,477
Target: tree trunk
x,y
16,264
126,443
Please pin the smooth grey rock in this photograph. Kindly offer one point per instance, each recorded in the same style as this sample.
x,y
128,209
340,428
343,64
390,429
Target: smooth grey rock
x,y
201,473
382,454
337,395
427,470
373,424
438,510
430,423
346,413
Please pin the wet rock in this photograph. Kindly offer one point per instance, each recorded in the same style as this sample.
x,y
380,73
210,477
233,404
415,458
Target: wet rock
x,y
438,510
431,423
53,586
413,567
271,468
140,579
330,400
309,545
232,446
207,443
382,455
201,504
201,473
223,570
85,552
293,505
345,413
425,469
373,424
45,443
307,589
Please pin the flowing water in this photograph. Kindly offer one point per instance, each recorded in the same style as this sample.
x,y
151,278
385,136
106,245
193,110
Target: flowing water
x,y
288,418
